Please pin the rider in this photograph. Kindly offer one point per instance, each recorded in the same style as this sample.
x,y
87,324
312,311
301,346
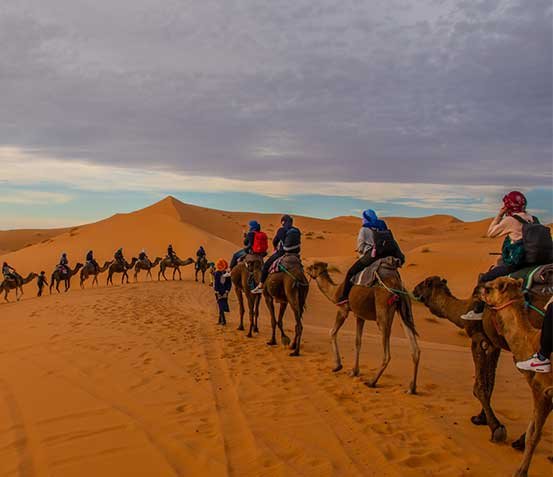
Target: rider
x,y
142,256
284,241
64,263
41,282
540,362
200,255
171,255
119,256
8,272
512,253
90,259
249,237
366,248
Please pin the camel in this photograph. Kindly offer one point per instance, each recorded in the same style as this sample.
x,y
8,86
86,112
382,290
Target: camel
x,y
57,277
245,276
486,346
90,270
174,264
201,266
118,267
289,288
511,322
147,265
17,284
370,304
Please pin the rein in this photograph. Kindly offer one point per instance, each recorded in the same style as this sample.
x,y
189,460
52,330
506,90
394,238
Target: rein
x,y
504,305
393,290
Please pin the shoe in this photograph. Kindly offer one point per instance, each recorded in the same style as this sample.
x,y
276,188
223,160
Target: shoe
x,y
472,316
258,290
535,364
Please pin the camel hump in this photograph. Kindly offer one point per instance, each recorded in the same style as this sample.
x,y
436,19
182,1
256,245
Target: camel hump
x,y
252,258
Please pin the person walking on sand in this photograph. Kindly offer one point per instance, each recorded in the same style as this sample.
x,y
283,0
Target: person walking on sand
x,y
41,282
222,285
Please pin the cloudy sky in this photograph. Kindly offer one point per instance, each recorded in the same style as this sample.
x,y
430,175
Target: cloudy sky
x,y
320,108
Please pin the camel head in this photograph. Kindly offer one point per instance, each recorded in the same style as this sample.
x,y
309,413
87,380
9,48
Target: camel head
x,y
501,291
426,290
317,269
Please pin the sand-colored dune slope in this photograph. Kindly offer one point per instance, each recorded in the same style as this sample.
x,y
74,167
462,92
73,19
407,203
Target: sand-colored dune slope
x,y
139,381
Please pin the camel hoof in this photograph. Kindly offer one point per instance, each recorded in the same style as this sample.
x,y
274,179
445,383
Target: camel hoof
x,y
370,384
285,341
337,368
249,335
499,434
256,330
240,328
293,346
520,443
411,391
479,419
272,343
354,373
294,353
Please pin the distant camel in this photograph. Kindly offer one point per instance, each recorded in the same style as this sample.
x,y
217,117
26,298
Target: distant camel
x,y
16,284
370,304
89,270
245,276
58,276
174,264
290,288
201,266
118,267
486,345
147,265
512,323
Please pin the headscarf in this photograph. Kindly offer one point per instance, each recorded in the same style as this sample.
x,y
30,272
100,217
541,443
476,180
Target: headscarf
x,y
221,265
515,202
254,226
371,220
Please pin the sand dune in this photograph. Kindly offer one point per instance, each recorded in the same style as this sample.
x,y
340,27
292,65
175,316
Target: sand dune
x,y
138,380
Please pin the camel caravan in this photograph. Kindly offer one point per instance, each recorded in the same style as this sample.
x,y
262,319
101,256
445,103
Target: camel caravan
x,y
510,308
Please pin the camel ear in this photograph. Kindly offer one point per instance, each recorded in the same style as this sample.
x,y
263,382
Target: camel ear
x,y
444,281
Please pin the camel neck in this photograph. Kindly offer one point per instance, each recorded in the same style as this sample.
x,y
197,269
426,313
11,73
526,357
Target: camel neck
x,y
326,285
451,308
522,338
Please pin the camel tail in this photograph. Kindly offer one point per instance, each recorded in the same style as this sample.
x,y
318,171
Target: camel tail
x,y
406,313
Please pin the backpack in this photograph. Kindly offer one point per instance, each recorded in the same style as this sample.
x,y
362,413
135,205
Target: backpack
x,y
536,240
292,239
260,243
386,245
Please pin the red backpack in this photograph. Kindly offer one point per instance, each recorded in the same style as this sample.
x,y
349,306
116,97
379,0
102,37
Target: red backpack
x,y
260,243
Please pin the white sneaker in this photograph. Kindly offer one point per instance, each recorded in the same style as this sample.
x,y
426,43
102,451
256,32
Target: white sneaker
x,y
472,316
535,364
258,290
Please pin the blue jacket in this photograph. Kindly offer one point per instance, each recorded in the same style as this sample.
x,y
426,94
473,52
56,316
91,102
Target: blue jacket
x,y
221,284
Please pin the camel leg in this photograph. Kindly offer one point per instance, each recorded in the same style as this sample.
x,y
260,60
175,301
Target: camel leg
x,y
415,355
386,330
271,306
135,276
251,308
299,330
542,408
358,338
338,322
203,277
240,297
257,302
485,359
284,338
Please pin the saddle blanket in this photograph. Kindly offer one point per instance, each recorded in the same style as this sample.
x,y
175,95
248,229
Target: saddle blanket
x,y
385,267
538,278
289,261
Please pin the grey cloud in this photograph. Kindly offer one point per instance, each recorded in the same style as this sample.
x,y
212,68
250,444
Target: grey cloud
x,y
448,92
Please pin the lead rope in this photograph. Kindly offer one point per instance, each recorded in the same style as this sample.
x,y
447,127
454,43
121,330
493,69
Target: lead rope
x,y
393,290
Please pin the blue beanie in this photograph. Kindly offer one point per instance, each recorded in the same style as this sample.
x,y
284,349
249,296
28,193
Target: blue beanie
x,y
254,225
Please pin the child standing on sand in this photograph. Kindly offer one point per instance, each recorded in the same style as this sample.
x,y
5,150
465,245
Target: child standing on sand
x,y
221,285
41,281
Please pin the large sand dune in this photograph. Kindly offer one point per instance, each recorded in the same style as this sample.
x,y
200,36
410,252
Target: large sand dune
x,y
138,380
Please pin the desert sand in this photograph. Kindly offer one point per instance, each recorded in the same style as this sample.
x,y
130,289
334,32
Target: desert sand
x,y
138,380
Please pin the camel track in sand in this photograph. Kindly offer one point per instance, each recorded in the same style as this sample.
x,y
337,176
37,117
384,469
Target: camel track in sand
x,y
139,380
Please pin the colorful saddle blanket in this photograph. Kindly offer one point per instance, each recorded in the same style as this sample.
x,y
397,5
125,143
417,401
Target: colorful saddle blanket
x,y
288,261
537,278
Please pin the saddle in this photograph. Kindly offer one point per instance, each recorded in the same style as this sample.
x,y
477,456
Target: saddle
x,y
63,270
385,267
289,261
538,278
